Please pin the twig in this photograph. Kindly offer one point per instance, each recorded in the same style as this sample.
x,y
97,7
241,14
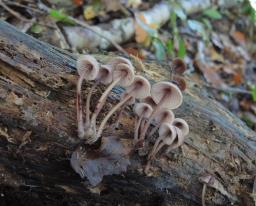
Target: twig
x,y
14,13
85,25
229,89
23,6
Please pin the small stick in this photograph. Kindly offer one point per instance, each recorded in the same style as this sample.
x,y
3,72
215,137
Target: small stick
x,y
14,13
203,194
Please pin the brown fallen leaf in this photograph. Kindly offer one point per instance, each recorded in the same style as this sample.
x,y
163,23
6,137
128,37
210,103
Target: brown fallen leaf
x,y
111,158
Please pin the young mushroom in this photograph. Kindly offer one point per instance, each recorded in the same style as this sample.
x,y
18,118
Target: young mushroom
x,y
182,125
87,68
163,116
178,68
123,75
140,88
166,95
143,111
104,77
167,134
178,141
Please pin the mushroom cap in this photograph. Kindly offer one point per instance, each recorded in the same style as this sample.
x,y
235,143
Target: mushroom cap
x,y
119,60
149,100
140,87
167,130
130,101
182,125
126,72
164,115
88,64
143,109
178,140
170,92
105,74
180,82
178,66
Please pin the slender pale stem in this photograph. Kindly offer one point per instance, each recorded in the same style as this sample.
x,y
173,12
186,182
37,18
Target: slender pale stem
x,y
112,111
143,122
79,107
88,100
152,116
102,100
151,154
137,128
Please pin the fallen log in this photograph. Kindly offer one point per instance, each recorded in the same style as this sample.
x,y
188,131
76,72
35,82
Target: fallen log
x,y
38,136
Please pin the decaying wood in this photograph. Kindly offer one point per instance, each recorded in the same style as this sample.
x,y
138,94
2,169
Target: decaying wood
x,y
38,135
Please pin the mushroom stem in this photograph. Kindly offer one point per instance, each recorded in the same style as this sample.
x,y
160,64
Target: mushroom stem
x,y
88,100
120,114
152,116
102,100
79,107
112,111
137,128
153,151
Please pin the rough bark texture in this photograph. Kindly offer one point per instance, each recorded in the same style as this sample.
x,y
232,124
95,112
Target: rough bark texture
x,y
38,135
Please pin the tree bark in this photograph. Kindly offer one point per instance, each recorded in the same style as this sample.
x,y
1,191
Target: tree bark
x,y
38,136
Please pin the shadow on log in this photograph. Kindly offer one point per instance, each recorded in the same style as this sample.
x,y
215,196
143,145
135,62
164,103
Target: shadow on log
x,y
38,136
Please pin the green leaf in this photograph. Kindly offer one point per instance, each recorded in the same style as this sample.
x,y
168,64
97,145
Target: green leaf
x,y
212,13
253,92
207,23
182,49
159,49
60,16
170,47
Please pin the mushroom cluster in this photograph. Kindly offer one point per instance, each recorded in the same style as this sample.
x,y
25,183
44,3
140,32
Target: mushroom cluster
x,y
153,105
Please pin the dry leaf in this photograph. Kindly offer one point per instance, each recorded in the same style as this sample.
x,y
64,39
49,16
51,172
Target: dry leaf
x,y
111,158
238,37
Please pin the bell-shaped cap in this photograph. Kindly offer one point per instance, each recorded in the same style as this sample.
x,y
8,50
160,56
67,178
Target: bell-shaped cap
x,y
180,82
105,74
125,72
119,60
149,100
143,109
89,65
178,66
182,125
167,129
168,93
164,116
178,141
140,87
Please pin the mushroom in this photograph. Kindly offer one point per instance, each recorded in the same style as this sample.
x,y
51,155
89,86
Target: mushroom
x,y
140,88
87,68
178,141
163,116
178,66
143,111
166,95
182,125
149,100
104,77
167,134
123,75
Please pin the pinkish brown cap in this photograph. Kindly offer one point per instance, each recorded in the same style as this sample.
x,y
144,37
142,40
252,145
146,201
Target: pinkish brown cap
x,y
105,74
149,100
119,60
140,87
143,109
164,116
88,64
167,130
169,92
178,66
182,125
126,73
